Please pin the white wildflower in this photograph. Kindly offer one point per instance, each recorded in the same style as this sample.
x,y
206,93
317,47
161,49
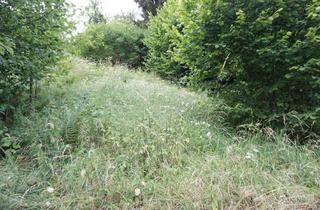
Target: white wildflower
x,y
83,173
209,134
48,203
249,155
50,190
143,183
256,150
50,126
137,192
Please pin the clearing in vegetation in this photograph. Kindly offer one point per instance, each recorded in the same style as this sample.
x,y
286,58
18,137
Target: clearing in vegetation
x,y
109,138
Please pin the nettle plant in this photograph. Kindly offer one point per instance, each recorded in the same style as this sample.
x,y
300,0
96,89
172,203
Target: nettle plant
x,y
261,56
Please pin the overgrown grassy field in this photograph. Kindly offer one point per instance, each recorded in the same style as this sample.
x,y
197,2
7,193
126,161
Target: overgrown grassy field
x,y
110,138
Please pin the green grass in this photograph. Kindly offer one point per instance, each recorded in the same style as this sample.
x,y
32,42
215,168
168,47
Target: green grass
x,y
105,133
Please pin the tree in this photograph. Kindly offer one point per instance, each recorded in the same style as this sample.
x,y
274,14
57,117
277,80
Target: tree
x,y
94,12
262,57
119,41
149,7
31,41
128,17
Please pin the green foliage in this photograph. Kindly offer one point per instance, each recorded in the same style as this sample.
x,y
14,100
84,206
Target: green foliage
x,y
261,56
120,42
161,40
127,17
31,35
8,144
94,13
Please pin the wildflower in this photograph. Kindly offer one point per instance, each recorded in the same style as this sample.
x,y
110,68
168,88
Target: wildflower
x,y
50,126
143,183
256,150
83,173
229,149
48,203
249,155
50,190
209,134
137,192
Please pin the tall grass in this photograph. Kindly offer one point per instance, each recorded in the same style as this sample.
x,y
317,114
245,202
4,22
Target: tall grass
x,y
110,138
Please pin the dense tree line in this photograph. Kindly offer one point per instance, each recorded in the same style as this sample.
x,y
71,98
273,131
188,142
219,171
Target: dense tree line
x,y
262,56
31,40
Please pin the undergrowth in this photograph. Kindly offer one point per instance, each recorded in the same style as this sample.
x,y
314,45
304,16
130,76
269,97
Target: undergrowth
x,y
110,138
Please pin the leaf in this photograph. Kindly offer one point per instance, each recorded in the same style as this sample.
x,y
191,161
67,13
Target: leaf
x,y
6,142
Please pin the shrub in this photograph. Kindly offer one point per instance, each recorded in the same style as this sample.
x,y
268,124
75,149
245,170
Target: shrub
x,y
30,44
261,56
119,41
161,40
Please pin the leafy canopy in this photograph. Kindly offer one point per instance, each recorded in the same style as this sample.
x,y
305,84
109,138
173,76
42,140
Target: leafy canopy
x,y
262,56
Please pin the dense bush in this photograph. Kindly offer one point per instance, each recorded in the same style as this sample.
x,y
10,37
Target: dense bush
x,y
119,41
30,43
262,56
161,41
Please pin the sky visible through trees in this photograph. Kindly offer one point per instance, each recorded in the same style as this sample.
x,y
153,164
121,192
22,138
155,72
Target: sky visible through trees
x,y
110,8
